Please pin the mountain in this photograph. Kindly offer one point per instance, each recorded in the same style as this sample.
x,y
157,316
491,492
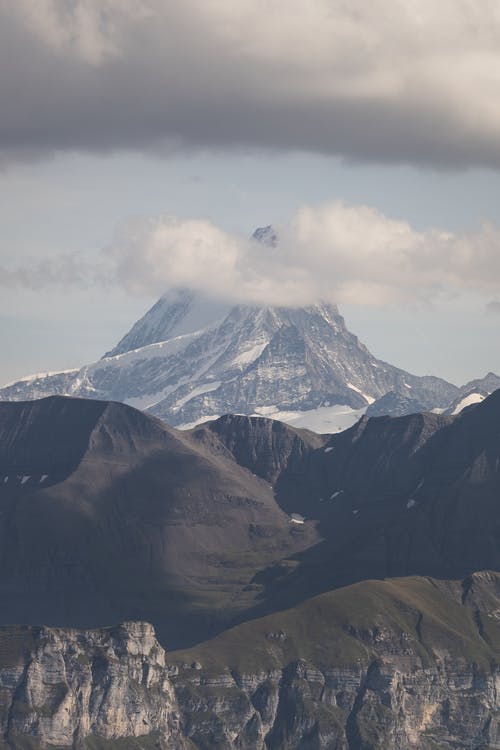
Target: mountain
x,y
191,358
195,530
108,514
390,497
175,314
313,591
488,384
398,404
293,363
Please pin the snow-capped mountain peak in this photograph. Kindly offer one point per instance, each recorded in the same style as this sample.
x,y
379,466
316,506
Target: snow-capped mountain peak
x,y
190,358
178,312
277,361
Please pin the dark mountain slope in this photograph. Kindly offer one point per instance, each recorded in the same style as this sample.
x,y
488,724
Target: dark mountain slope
x,y
49,436
390,497
137,522
264,446
141,521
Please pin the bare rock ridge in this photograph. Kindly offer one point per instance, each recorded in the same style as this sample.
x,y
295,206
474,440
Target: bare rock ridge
x,y
399,664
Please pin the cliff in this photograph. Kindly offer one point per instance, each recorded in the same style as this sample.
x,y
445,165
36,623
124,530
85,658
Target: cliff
x,y
393,665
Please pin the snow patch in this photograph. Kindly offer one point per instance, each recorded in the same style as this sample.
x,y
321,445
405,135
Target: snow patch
x,y
192,425
323,420
297,518
38,376
472,398
369,399
161,348
411,503
329,449
205,388
250,355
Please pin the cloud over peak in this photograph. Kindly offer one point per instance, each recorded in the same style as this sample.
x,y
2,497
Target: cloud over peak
x,y
335,251
388,81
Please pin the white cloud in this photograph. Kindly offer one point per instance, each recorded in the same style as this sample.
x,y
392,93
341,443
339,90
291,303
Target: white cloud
x,y
339,252
348,254
493,307
385,80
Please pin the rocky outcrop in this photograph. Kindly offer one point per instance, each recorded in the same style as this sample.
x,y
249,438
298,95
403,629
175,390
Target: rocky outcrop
x,y
60,687
392,685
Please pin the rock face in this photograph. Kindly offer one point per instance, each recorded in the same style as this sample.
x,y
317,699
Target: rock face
x,y
175,314
422,673
60,687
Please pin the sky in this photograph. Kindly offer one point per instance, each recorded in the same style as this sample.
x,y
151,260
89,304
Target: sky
x,y
142,142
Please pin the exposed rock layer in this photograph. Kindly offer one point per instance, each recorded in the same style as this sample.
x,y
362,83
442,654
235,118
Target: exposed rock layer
x,y
420,672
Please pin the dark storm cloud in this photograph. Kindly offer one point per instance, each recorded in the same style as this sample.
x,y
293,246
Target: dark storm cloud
x,y
387,81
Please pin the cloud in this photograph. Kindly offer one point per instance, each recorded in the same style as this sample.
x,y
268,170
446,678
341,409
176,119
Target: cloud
x,y
493,307
335,251
338,252
388,81
61,270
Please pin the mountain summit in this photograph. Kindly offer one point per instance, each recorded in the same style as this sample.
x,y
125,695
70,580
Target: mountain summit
x,y
254,360
191,358
176,313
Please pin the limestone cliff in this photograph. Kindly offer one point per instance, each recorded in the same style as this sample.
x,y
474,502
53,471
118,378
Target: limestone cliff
x,y
410,663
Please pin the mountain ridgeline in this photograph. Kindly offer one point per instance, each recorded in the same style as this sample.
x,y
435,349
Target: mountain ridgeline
x,y
205,516
184,364
312,591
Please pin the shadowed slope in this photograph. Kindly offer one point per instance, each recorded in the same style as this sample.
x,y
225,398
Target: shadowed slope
x,y
140,522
